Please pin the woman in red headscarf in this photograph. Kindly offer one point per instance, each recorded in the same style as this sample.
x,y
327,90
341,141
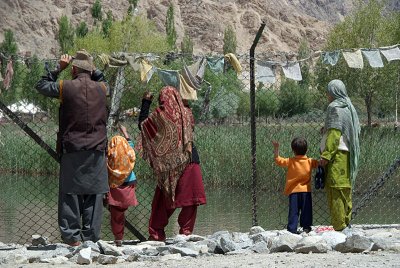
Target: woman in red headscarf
x,y
167,144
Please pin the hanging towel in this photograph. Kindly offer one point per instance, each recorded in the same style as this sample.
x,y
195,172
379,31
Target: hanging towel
x,y
231,58
354,59
9,75
169,77
146,71
292,71
265,72
216,64
190,79
374,57
330,57
198,68
391,53
186,91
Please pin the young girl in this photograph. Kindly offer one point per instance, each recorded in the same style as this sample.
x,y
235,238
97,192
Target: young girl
x,y
122,197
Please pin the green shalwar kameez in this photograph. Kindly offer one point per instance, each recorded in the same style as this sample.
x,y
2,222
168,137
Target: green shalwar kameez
x,y
341,170
338,186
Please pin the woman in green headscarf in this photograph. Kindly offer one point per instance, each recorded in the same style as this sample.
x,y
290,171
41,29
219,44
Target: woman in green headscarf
x,y
340,151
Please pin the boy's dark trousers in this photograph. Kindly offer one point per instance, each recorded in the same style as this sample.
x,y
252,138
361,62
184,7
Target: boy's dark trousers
x,y
300,203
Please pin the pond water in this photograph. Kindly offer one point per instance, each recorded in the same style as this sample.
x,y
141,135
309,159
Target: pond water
x,y
28,205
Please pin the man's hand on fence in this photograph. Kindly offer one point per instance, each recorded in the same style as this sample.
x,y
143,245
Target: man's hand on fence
x,y
64,61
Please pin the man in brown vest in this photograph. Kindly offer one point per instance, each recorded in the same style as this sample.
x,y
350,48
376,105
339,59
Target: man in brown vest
x,y
81,143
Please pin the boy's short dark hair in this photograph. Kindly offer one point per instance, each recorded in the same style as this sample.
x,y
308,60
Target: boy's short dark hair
x,y
299,146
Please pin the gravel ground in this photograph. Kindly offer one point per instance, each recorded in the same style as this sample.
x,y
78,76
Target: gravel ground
x,y
278,260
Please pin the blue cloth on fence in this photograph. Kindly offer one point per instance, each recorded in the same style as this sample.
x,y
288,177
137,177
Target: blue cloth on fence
x,y
216,64
374,57
169,77
331,57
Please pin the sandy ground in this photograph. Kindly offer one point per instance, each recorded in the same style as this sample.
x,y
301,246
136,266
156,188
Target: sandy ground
x,y
278,260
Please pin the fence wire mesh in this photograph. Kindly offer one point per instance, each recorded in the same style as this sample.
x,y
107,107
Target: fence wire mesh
x,y
284,110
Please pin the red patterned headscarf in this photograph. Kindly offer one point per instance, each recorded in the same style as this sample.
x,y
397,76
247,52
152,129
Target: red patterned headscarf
x,y
167,135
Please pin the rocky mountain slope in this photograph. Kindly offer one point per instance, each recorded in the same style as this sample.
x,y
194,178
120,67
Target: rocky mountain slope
x,y
35,23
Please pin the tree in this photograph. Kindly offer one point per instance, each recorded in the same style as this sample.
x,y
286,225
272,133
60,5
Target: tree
x,y
96,10
132,34
363,29
293,99
9,45
65,35
229,40
170,27
106,25
187,46
82,29
132,6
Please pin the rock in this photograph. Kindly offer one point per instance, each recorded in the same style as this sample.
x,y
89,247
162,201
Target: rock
x,y
107,259
355,244
256,230
16,259
175,257
332,238
227,244
55,261
180,238
108,249
388,244
184,251
284,243
314,244
260,247
264,236
39,240
211,245
84,256
195,238
240,252
215,236
150,251
152,243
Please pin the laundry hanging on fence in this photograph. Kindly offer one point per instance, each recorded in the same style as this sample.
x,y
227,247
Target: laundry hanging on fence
x,y
190,79
169,77
146,71
374,57
231,58
391,54
216,64
292,71
198,68
9,75
187,92
354,59
330,57
265,72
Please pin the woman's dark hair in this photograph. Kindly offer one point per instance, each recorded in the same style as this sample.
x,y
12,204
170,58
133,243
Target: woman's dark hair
x,y
299,146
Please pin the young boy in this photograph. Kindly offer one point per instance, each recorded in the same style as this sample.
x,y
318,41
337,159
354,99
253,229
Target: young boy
x,y
123,196
298,184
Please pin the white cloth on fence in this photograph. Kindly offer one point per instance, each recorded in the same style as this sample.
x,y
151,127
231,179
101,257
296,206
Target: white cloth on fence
x,y
265,72
391,53
374,57
292,71
354,59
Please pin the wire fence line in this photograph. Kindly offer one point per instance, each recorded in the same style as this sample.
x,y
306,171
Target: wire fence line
x,y
29,173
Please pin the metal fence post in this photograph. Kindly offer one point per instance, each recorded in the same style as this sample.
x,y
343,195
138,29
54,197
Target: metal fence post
x,y
253,124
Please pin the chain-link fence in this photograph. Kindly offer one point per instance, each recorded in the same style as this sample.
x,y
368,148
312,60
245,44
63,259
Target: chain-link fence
x,y
283,110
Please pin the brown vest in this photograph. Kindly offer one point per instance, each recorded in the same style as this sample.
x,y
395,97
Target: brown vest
x,y
83,115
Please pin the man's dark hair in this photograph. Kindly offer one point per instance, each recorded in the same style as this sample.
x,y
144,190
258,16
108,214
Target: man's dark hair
x,y
299,146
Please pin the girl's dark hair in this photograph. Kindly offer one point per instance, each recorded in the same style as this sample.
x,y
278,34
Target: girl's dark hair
x,y
299,146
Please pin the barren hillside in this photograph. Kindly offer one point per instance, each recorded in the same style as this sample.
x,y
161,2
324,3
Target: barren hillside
x,y
35,23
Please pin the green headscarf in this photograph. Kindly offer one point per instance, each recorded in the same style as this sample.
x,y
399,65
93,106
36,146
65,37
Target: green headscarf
x,y
342,115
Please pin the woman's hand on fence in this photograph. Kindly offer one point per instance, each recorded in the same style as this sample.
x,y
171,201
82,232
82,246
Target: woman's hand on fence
x,y
148,96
